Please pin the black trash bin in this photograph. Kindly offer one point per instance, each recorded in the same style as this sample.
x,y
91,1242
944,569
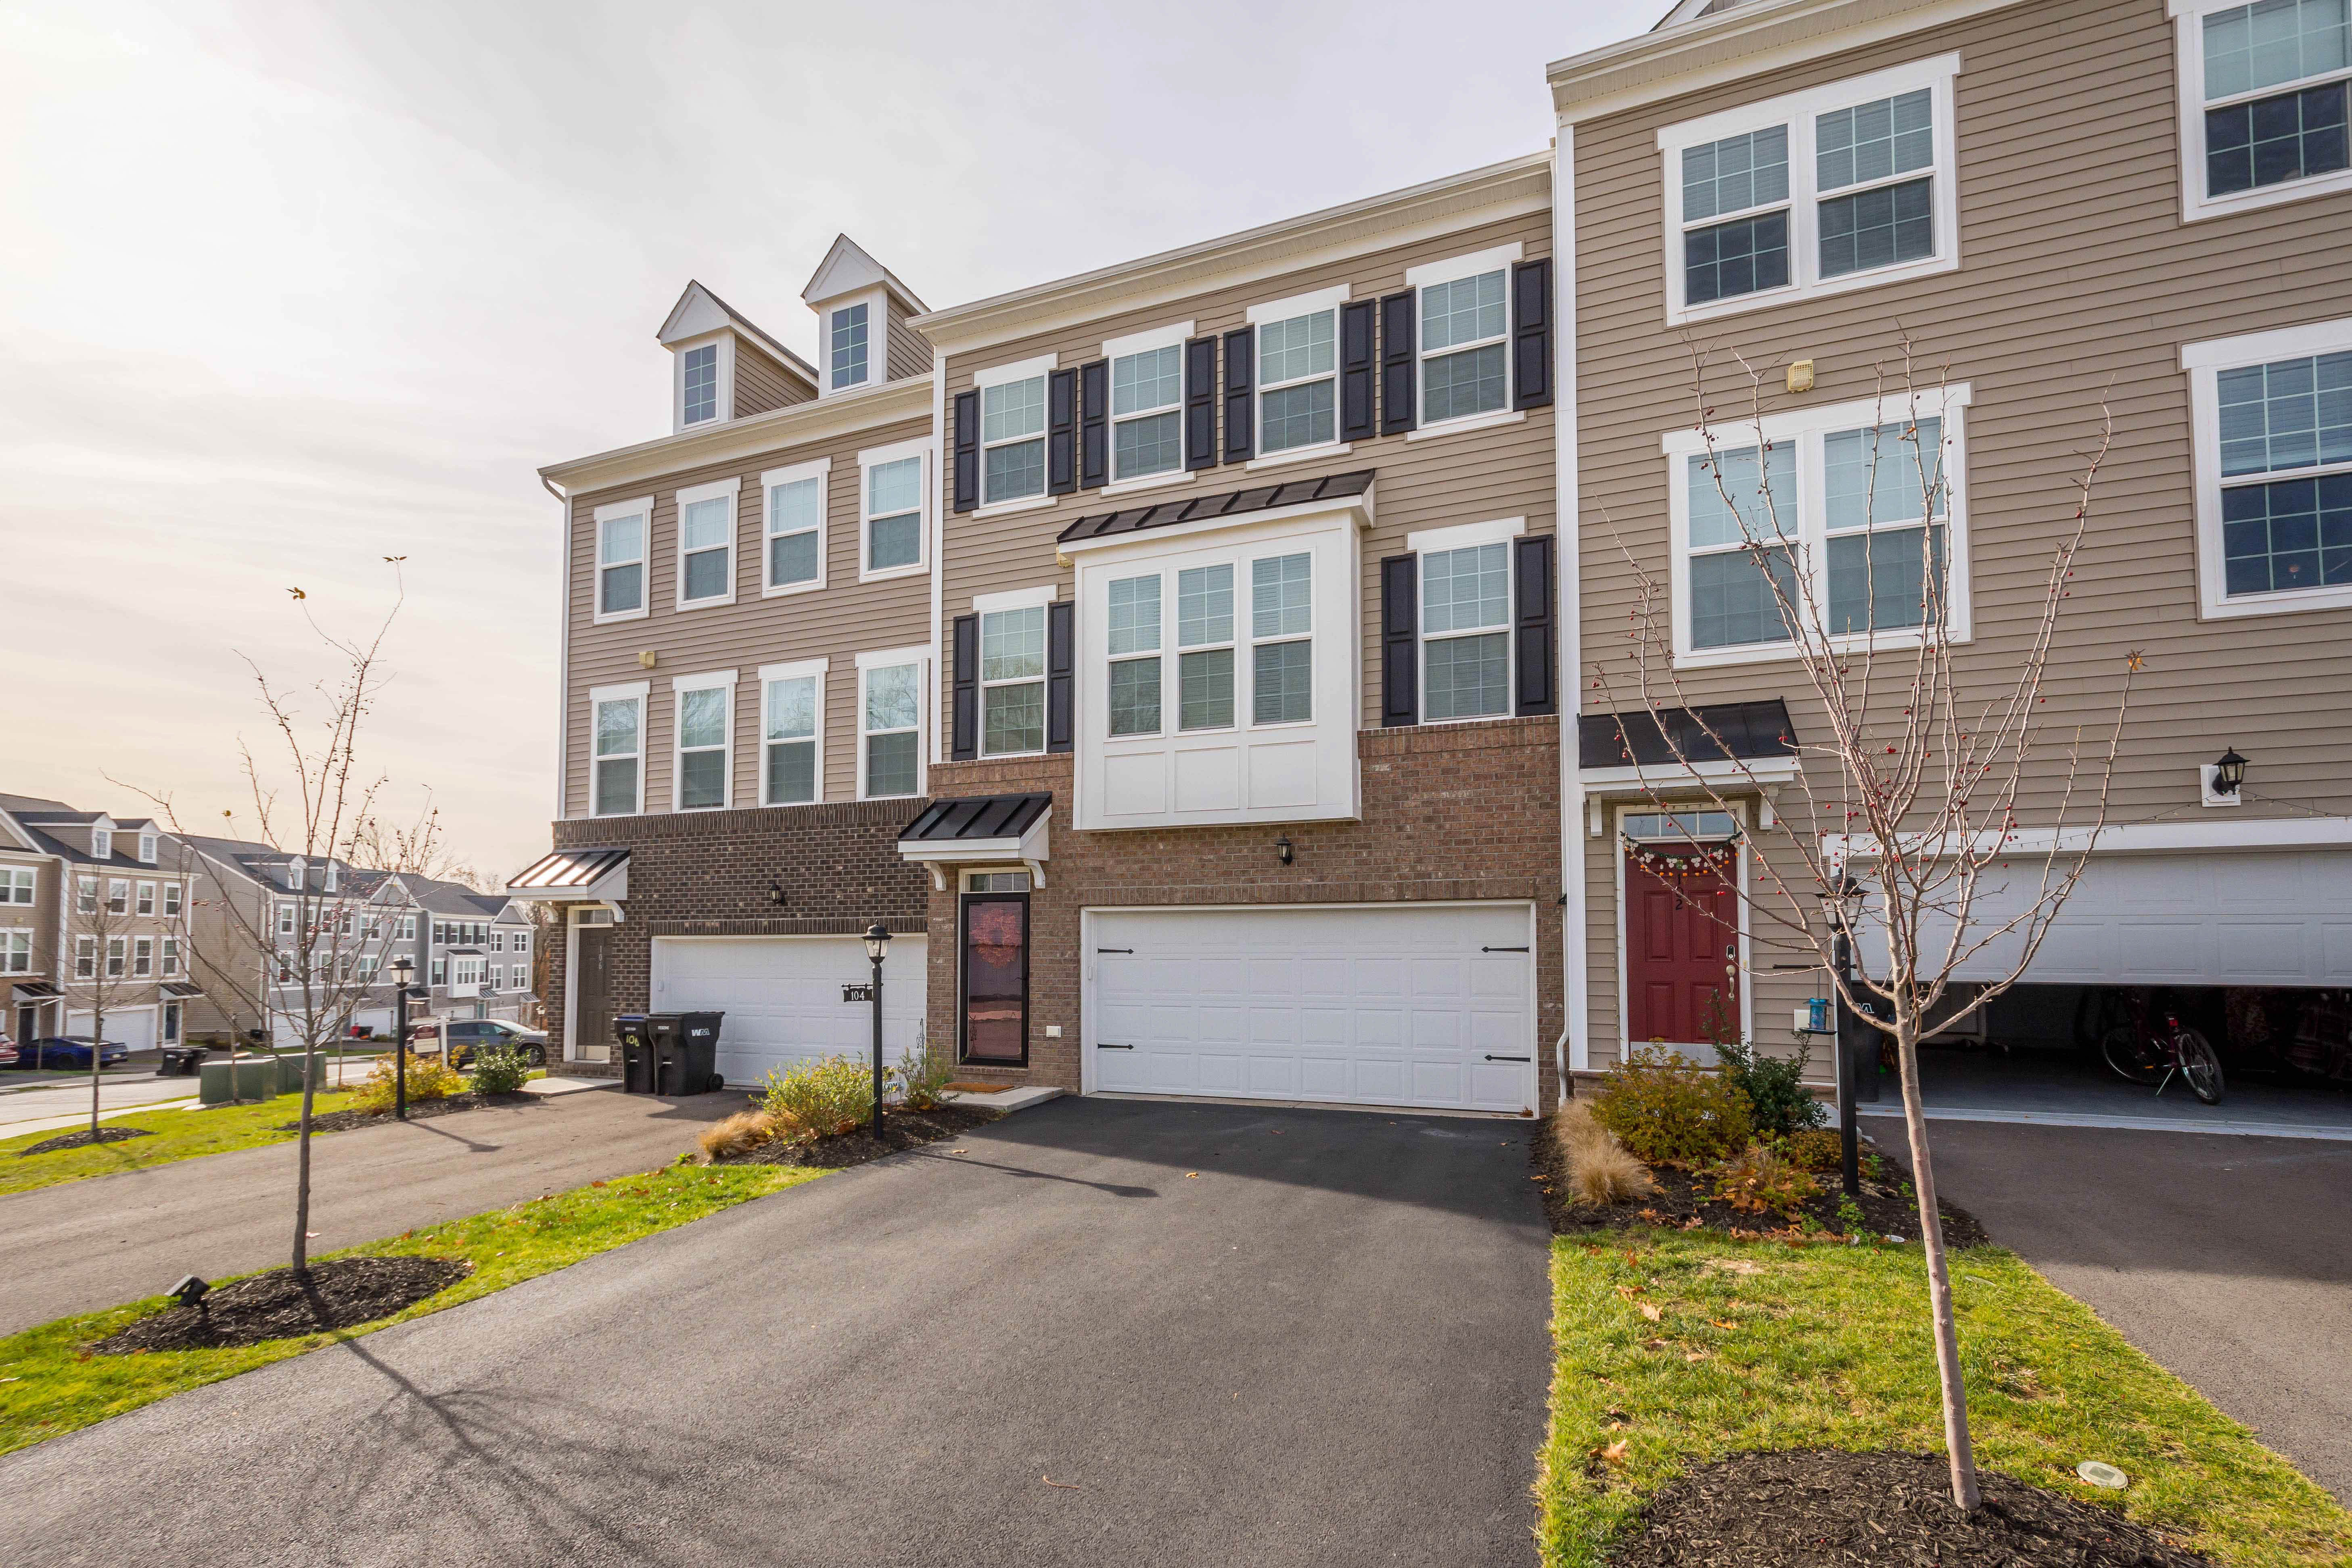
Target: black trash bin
x,y
180,1061
693,1049
634,1033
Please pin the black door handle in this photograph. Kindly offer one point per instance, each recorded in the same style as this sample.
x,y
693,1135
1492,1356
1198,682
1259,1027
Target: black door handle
x,y
1107,1045
1502,950
1113,950
1495,1059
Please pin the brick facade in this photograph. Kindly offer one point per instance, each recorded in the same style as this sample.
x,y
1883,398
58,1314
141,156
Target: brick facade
x,y
707,873
1450,812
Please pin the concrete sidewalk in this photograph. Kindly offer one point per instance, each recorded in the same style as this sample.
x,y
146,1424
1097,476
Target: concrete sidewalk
x,y
97,1242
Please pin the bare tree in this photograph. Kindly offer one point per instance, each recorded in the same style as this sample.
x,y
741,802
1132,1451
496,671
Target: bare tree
x,y
101,963
1916,772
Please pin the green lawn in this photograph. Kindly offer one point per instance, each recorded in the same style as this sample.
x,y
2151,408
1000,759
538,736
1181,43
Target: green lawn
x,y
54,1385
179,1135
1765,1345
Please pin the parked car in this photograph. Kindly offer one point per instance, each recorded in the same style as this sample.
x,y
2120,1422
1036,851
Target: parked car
x,y
461,1037
69,1051
7,1050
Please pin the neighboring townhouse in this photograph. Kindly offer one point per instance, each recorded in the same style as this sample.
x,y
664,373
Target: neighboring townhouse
x,y
474,950
91,909
2061,203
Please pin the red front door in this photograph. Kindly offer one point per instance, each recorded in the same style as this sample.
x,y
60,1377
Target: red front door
x,y
1682,941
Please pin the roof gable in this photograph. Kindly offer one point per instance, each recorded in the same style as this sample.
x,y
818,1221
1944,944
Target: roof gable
x,y
699,313
848,268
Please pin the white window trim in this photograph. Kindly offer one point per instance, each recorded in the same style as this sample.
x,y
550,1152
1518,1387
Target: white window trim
x,y
2188,53
714,680
1428,275
1174,647
2204,362
1798,111
1805,428
1320,301
801,669
1245,605
118,889
982,606
731,490
143,900
1011,599
821,470
1002,376
147,849
637,691
874,457
1462,535
1150,482
9,938
642,509
1466,536
1160,653
1455,268
1468,421
725,340
1173,336
919,656
175,900
142,958
878,343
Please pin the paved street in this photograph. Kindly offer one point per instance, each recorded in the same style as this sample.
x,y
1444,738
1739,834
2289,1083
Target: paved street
x,y
92,1244
1329,1346
2227,1258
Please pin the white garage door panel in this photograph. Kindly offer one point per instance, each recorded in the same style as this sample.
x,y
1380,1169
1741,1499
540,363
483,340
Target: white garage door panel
x,y
782,996
1398,1005
2209,919
135,1029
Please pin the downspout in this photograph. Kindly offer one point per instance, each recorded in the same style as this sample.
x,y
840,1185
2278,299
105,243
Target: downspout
x,y
940,500
563,649
1573,1051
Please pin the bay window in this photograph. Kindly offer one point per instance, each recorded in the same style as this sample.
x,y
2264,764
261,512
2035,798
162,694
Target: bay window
x,y
621,560
795,527
1013,432
1012,681
704,740
1134,647
791,733
706,544
1282,653
2272,414
890,720
1204,638
617,727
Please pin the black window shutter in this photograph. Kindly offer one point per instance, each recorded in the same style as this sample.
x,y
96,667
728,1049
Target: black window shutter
x,y
1399,640
1532,335
967,450
1061,673
1396,362
1062,432
1200,403
1533,639
1356,370
1241,379
963,728
1094,423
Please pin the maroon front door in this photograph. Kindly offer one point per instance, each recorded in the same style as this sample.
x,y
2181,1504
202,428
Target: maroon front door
x,y
1682,941
995,979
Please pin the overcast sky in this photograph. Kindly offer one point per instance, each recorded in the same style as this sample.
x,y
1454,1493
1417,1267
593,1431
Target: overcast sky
x,y
292,287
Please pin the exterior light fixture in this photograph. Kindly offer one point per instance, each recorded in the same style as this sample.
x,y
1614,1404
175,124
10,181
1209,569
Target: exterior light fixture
x,y
776,893
190,1291
402,967
1282,849
2229,773
877,943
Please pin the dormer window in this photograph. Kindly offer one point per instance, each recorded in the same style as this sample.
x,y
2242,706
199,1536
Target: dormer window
x,y
294,873
847,338
102,844
701,388
147,849
329,876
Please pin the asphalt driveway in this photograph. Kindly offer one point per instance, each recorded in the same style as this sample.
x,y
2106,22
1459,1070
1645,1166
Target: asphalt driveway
x,y
1050,1343
2228,1259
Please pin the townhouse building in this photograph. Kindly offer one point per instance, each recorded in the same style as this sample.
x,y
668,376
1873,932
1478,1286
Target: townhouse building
x,y
1171,658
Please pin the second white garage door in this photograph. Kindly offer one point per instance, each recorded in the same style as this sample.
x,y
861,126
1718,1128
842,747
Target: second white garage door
x,y
1429,1004
782,996
133,1026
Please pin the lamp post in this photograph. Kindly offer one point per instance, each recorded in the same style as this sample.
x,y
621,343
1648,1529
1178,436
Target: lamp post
x,y
1840,905
877,941
402,968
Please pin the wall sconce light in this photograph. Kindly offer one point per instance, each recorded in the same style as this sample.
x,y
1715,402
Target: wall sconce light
x,y
646,658
1282,849
776,893
2219,779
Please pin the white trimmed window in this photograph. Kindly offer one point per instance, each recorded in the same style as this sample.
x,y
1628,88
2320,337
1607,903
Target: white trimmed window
x,y
791,733
1013,673
171,956
16,883
1298,372
1012,431
440,974
85,958
1282,649
101,842
617,725
1836,187
285,918
1205,648
85,895
15,952
2265,91
795,526
698,385
1147,402
1466,626
368,965
1463,335
142,957
521,943
1133,627
848,346
706,544
408,928
117,896
621,560
170,900
2272,414
706,727
891,509
117,955
146,905
1854,511
147,848
890,723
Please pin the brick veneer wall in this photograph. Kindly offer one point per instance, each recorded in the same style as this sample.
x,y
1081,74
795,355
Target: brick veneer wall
x,y
707,873
1451,812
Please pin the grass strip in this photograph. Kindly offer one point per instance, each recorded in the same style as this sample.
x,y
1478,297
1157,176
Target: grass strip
x,y
50,1383
1766,1345
180,1134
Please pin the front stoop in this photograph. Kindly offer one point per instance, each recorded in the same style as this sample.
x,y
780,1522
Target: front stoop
x,y
1007,1100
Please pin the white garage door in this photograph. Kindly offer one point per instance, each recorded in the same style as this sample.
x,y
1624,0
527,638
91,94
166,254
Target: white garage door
x,y
136,1031
1411,1005
2226,919
782,996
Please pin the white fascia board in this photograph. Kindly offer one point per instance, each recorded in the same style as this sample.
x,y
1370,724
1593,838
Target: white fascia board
x,y
795,669
1017,370
2124,838
642,506
1012,599
619,693
1888,83
1298,305
1032,845
1359,508
1470,266
1462,535
1168,337
1644,779
2256,348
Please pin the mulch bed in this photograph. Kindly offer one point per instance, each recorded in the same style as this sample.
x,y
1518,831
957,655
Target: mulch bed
x,y
339,1294
1822,1507
342,1120
901,1129
1686,1201
85,1138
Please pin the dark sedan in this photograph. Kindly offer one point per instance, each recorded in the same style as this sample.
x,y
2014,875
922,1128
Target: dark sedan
x,y
69,1051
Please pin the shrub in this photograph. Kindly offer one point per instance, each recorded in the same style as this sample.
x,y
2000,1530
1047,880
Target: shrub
x,y
826,1097
500,1069
1814,1149
738,1134
1762,1180
429,1077
1600,1170
922,1076
1776,1097
1669,1111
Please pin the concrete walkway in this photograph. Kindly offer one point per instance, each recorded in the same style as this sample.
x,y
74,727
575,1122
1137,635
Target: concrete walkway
x,y
1047,1343
86,1245
2227,1258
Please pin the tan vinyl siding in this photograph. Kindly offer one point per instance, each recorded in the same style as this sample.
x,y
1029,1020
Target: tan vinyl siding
x,y
836,623
2077,282
907,352
762,384
1467,477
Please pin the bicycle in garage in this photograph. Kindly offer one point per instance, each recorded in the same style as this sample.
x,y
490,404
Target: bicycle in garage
x,y
2153,1045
